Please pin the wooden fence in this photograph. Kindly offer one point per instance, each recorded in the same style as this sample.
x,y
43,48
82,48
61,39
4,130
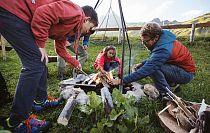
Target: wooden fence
x,y
177,26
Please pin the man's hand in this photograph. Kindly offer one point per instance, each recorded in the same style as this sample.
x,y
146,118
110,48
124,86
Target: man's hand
x,y
44,55
79,67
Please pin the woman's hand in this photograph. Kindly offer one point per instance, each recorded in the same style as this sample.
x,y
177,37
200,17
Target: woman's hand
x,y
44,55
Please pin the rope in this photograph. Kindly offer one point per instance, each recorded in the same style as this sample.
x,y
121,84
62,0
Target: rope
x,y
96,4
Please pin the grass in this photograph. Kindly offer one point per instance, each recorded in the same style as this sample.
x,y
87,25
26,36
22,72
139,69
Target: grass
x,y
195,91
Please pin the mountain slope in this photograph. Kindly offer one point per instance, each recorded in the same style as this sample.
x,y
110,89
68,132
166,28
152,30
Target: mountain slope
x,y
204,32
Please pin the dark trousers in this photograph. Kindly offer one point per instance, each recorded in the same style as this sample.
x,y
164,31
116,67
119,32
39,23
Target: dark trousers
x,y
32,83
170,74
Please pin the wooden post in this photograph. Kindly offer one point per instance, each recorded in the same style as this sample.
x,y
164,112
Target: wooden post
x,y
192,34
120,35
3,47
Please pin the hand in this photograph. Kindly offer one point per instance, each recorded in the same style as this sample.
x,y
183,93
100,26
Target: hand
x,y
68,44
85,47
115,81
79,67
102,73
136,66
44,55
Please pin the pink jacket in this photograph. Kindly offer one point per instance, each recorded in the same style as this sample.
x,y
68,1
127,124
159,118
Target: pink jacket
x,y
55,19
102,59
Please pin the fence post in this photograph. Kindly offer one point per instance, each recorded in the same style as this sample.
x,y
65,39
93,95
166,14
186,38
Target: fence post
x,y
192,34
119,35
3,47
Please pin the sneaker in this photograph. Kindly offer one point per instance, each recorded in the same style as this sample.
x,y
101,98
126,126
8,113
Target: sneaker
x,y
20,128
23,128
50,102
41,125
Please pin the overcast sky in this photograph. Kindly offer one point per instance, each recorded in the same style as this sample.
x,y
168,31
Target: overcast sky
x,y
146,10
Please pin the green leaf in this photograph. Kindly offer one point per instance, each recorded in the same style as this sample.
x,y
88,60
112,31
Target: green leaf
x,y
131,112
95,100
86,109
122,128
118,97
143,121
108,123
114,115
94,130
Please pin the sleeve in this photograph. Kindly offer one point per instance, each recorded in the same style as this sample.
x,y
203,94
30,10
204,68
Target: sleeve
x,y
86,40
50,14
156,60
144,61
100,60
60,47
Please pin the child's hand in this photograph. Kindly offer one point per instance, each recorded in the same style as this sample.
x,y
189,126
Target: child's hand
x,y
103,73
115,81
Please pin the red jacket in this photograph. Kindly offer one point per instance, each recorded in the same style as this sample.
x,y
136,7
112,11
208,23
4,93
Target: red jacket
x,y
182,57
102,59
55,19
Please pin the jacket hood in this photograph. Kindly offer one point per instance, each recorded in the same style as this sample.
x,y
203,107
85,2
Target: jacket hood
x,y
166,37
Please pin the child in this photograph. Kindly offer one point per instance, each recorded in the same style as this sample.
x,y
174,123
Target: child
x,y
27,24
107,60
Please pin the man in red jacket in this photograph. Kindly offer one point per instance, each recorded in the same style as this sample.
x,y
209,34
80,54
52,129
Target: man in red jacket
x,y
27,24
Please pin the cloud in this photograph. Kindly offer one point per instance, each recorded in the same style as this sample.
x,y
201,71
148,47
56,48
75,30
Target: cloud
x,y
161,9
191,14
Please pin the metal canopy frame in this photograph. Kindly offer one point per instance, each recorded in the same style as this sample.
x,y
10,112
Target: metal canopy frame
x,y
125,36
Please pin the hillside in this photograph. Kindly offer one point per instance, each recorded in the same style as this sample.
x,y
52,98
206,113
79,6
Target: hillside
x,y
204,32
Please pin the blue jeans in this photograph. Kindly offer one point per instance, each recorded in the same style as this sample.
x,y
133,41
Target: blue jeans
x,y
110,66
32,83
170,74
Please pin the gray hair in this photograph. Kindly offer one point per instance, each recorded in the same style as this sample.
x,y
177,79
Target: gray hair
x,y
151,29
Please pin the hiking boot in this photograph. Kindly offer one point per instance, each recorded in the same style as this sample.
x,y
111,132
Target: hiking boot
x,y
50,102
